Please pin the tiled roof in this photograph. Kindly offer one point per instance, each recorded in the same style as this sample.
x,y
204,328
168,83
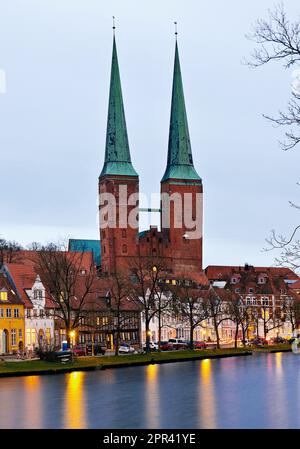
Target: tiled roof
x,y
214,272
30,258
23,276
248,277
12,296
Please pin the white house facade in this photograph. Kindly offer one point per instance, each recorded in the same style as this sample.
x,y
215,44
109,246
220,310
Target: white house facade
x,y
39,319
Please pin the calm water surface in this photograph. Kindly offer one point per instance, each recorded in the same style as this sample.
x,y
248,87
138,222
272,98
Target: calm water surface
x,y
259,391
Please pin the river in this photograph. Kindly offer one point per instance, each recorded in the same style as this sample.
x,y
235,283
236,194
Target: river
x,y
259,391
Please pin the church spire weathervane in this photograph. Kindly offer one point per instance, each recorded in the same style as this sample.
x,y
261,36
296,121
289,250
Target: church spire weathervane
x,y
114,25
176,32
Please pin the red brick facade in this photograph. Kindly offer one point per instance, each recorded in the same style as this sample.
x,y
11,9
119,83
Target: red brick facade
x,y
120,245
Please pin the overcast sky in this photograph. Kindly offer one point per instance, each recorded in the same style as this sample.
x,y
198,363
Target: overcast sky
x,y
56,56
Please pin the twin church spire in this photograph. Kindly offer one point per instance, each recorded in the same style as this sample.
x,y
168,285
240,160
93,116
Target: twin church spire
x,y
117,153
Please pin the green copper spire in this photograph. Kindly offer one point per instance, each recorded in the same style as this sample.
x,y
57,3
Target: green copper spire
x,y
180,159
117,154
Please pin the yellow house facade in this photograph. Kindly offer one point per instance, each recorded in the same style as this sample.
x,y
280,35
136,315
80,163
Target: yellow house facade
x,y
12,319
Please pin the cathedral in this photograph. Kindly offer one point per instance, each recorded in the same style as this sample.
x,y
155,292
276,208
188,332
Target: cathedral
x,y
178,243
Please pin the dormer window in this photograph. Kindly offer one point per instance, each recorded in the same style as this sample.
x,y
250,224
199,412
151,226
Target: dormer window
x,y
233,280
261,280
38,294
251,290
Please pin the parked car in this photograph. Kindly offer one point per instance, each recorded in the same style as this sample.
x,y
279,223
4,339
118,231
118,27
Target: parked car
x,y
259,341
79,350
125,348
199,344
278,340
166,346
98,349
153,346
178,343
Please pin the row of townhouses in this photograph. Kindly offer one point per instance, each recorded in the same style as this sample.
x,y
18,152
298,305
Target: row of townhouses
x,y
29,318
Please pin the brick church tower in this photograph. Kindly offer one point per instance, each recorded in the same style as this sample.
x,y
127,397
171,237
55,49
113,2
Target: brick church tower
x,y
182,239
119,178
179,242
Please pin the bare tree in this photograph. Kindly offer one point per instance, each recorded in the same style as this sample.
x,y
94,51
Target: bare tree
x,y
119,291
271,318
218,308
9,251
278,39
191,307
146,275
240,314
164,300
68,280
291,311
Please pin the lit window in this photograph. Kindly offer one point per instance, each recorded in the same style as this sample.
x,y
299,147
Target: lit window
x,y
105,320
33,336
48,335
3,296
28,340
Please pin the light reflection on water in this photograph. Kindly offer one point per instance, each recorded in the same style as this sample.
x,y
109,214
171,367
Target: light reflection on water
x,y
207,413
152,397
75,405
259,391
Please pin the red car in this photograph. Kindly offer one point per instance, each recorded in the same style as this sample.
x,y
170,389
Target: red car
x,y
199,345
79,350
166,346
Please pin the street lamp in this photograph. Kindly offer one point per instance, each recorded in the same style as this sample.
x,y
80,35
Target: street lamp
x,y
72,336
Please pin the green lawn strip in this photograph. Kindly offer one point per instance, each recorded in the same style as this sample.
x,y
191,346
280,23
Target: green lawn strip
x,y
86,363
273,348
